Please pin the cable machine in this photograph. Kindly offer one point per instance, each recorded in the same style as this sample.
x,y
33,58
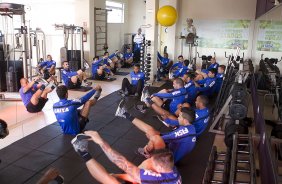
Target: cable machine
x,y
14,60
17,43
73,50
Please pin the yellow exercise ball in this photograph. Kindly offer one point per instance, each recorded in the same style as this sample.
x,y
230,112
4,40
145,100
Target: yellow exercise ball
x,y
167,16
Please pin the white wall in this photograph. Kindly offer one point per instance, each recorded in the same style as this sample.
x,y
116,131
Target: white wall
x,y
201,10
116,31
215,10
44,14
136,15
274,15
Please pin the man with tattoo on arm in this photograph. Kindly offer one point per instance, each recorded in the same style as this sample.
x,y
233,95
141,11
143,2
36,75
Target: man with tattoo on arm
x,y
162,169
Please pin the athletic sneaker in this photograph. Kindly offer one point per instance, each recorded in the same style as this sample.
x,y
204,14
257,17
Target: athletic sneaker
x,y
145,94
141,108
80,143
87,84
120,91
43,81
161,120
51,85
170,75
86,65
141,151
126,92
121,109
97,94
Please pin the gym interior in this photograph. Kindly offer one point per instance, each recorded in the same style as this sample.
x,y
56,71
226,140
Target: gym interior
x,y
136,91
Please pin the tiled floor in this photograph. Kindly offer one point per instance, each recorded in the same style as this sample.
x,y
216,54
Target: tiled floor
x,y
21,123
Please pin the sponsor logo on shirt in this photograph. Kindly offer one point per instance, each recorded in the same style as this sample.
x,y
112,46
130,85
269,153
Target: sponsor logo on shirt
x,y
211,84
76,100
175,92
150,173
194,139
181,132
61,110
135,78
188,85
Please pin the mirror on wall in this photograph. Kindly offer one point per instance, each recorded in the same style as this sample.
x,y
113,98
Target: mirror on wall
x,y
268,36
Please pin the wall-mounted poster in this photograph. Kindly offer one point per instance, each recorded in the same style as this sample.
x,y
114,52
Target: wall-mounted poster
x,y
223,34
269,36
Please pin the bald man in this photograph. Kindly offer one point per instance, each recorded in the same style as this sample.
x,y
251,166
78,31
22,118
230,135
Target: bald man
x,y
34,95
138,39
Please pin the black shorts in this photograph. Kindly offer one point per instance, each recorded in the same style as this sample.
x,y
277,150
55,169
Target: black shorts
x,y
166,105
36,108
72,85
82,121
100,77
46,74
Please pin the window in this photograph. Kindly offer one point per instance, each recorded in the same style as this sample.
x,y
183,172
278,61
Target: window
x,y
117,13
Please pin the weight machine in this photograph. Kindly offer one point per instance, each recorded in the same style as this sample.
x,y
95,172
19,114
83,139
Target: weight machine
x,y
192,41
269,80
73,50
15,58
205,60
232,99
17,43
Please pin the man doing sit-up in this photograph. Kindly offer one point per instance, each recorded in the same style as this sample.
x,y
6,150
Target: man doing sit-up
x,y
180,141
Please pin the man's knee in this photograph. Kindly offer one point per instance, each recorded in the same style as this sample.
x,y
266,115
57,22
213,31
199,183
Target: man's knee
x,y
88,104
157,141
125,80
74,79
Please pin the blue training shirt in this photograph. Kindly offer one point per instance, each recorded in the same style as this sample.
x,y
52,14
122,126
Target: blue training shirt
x,y
100,62
67,75
48,64
201,121
192,92
164,61
128,55
150,177
178,64
177,96
208,86
218,82
180,71
215,65
28,94
136,76
181,141
66,113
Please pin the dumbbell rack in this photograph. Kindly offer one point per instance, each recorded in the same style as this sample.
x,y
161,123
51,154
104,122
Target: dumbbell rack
x,y
217,125
233,165
145,60
242,168
217,170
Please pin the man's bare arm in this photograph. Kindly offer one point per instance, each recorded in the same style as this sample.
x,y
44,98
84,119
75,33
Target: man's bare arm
x,y
121,162
116,157
100,173
27,87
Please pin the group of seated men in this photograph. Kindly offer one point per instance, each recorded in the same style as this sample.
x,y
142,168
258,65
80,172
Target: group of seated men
x,y
34,93
183,108
108,65
166,68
